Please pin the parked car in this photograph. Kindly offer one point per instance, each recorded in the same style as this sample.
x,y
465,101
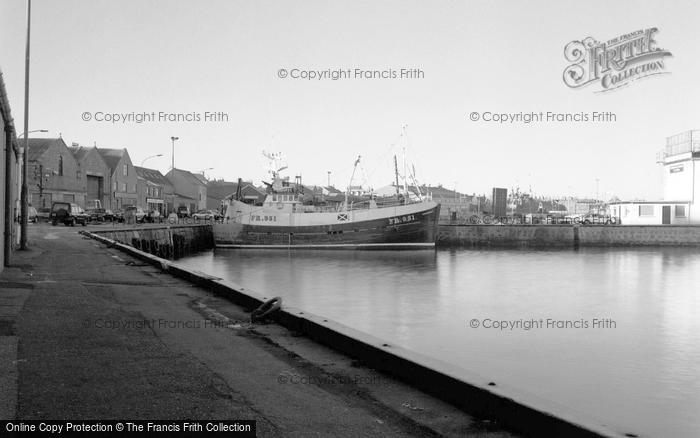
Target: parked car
x,y
93,204
206,215
96,214
183,211
108,216
153,216
68,214
598,219
118,216
136,212
575,218
32,214
43,213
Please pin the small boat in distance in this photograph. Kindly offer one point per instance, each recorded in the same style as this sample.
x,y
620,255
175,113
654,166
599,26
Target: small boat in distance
x,y
291,218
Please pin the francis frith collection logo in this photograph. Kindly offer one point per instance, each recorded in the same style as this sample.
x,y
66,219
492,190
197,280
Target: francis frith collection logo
x,y
614,63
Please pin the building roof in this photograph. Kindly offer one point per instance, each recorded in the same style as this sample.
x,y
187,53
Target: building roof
x,y
37,146
80,152
332,190
152,175
188,175
200,177
245,187
442,192
111,156
221,189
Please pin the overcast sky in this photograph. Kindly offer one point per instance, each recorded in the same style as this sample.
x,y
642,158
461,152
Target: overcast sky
x,y
191,57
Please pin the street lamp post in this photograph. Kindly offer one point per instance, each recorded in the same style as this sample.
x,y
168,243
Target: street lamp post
x,y
148,158
32,132
25,159
173,155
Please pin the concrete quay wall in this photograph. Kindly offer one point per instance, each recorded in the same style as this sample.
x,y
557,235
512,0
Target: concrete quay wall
x,y
168,242
514,236
640,235
505,235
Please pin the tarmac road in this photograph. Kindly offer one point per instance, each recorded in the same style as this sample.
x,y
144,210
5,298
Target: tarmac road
x,y
87,332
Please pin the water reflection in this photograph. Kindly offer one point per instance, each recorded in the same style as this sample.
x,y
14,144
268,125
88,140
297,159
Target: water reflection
x,y
641,376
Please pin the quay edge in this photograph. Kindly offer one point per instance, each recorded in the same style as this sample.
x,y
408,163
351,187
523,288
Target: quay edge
x,y
566,236
512,409
175,241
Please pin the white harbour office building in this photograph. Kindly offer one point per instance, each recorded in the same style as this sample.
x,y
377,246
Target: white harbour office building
x,y
681,187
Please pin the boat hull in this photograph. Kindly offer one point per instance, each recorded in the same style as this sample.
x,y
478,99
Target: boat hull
x,y
406,227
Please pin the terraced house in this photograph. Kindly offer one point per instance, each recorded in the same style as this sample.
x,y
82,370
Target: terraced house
x,y
53,173
123,178
93,175
155,193
190,189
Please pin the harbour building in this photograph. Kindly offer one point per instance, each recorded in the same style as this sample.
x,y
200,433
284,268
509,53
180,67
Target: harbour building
x,y
681,187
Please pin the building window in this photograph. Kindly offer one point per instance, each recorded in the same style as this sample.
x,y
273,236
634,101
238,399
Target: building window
x,y
114,186
124,187
680,211
60,165
125,170
646,210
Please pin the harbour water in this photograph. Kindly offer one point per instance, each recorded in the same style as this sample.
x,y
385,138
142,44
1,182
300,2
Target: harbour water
x,y
613,334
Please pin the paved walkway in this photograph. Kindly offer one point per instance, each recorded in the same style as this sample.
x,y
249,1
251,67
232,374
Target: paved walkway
x,y
86,332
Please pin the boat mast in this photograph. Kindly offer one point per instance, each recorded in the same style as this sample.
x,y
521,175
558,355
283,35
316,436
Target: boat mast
x,y
405,185
415,182
396,172
351,178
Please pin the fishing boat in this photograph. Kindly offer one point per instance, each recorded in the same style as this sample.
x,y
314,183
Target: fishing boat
x,y
290,217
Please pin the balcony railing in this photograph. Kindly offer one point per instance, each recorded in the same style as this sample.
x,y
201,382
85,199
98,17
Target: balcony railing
x,y
688,141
